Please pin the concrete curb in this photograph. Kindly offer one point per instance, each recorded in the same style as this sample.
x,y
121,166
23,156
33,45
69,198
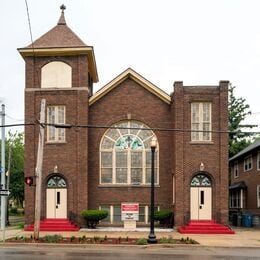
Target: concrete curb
x,y
94,246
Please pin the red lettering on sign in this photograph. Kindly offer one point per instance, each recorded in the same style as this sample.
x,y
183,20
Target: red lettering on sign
x,y
129,207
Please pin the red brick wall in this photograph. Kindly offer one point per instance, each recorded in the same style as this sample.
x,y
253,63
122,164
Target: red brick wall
x,y
188,155
129,98
71,156
78,158
79,66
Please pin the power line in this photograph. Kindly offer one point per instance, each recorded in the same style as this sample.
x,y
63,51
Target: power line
x,y
14,125
29,23
69,126
31,36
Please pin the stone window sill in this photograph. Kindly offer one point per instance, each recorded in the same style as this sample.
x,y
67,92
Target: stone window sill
x,y
201,142
126,186
56,142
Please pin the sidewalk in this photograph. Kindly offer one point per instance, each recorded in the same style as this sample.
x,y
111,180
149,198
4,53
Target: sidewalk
x,y
244,237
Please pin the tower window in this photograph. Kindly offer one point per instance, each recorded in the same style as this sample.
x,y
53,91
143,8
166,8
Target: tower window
x,y
201,121
55,115
56,74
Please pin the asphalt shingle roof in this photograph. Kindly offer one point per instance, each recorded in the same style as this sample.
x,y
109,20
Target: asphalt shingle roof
x,y
251,147
59,36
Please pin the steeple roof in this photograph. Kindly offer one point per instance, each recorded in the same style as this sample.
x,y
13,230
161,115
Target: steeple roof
x,y
59,36
61,41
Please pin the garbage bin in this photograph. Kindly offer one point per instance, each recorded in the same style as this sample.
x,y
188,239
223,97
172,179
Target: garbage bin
x,y
247,220
255,221
234,219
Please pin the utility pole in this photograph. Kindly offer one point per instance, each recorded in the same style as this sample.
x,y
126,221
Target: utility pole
x,y
38,172
8,178
3,199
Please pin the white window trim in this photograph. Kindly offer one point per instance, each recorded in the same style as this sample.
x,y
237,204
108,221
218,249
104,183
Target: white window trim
x,y
200,139
247,163
238,196
173,190
144,168
258,161
235,170
258,195
146,213
56,130
241,199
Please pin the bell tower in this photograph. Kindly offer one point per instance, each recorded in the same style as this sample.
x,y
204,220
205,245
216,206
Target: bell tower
x,y
60,68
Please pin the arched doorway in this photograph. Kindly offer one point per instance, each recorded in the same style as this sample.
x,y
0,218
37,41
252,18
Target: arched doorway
x,y
201,197
56,197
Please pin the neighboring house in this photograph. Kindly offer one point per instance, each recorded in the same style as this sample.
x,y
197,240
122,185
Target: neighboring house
x,y
100,167
244,190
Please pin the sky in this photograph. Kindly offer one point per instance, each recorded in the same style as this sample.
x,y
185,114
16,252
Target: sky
x,y
199,42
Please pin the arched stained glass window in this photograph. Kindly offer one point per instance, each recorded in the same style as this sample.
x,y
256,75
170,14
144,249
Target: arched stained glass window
x,y
56,182
200,180
125,154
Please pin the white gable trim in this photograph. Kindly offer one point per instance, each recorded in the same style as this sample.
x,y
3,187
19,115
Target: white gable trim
x,y
129,73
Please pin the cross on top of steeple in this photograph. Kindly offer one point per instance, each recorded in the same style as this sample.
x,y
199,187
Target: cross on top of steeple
x,y
62,8
62,18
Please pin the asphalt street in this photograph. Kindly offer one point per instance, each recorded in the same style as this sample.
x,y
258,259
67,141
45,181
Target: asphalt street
x,y
129,253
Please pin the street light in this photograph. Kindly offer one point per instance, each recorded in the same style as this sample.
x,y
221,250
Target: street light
x,y
152,238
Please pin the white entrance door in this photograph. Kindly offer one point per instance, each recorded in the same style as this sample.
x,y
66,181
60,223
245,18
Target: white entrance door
x,y
200,203
56,203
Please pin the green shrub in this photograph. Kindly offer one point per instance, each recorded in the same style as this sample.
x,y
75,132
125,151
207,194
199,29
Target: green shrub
x,y
72,238
188,240
141,241
165,217
167,240
21,226
13,211
96,238
162,214
52,238
93,216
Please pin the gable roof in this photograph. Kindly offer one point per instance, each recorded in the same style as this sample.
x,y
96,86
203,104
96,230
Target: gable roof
x,y
130,73
249,148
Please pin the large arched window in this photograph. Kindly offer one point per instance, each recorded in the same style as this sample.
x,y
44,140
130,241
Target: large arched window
x,y
125,155
56,74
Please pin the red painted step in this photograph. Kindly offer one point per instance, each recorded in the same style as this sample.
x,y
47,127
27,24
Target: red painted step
x,y
54,225
205,227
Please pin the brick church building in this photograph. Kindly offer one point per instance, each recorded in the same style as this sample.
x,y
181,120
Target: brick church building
x,y
105,158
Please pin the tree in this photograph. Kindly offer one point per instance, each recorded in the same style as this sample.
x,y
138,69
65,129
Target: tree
x,y
239,137
16,143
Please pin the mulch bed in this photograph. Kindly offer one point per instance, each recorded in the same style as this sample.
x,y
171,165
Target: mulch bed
x,y
97,240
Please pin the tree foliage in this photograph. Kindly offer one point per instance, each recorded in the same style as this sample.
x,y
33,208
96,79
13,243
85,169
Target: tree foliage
x,y
15,142
239,137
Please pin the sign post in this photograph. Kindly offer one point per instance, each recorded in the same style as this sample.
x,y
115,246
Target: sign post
x,y
3,200
4,192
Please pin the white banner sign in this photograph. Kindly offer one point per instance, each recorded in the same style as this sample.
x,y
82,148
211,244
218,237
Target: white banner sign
x,y
130,211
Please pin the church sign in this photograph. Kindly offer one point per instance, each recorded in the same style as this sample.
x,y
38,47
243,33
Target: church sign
x,y
130,211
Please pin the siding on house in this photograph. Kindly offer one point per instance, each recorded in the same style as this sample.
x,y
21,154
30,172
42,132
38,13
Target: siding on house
x,y
251,178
